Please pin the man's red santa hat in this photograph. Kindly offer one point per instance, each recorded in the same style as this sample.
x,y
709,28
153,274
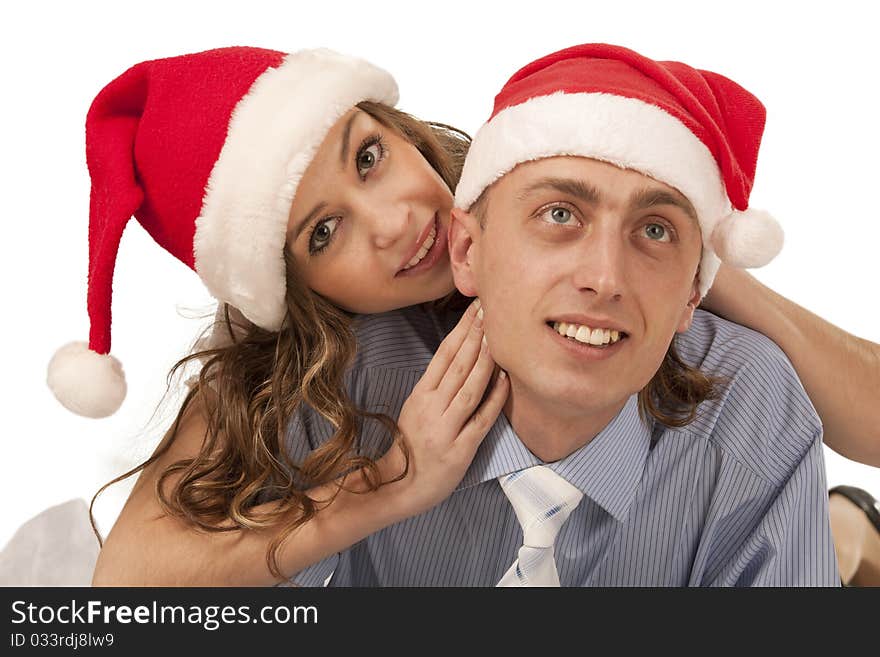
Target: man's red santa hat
x,y
693,130
205,151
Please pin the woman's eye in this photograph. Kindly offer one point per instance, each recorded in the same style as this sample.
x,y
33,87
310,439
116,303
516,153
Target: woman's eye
x,y
657,232
367,158
322,234
558,215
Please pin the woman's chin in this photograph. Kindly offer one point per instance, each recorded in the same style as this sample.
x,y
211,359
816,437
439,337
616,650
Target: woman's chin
x,y
425,289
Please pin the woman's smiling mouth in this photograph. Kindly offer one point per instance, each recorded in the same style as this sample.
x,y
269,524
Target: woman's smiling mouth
x,y
429,251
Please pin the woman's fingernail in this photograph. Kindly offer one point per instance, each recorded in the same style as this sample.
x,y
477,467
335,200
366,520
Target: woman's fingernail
x,y
485,344
480,313
502,374
477,302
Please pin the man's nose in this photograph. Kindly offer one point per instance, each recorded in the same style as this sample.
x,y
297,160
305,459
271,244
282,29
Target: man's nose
x,y
601,265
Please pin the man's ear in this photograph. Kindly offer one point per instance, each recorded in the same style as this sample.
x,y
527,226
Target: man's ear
x,y
687,315
463,232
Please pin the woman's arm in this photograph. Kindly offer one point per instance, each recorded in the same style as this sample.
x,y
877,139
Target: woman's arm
x,y
148,548
442,424
840,372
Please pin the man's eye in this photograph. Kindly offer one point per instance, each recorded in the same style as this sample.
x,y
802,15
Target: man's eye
x,y
657,232
558,215
322,234
367,158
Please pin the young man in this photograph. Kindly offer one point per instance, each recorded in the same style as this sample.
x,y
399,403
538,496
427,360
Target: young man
x,y
600,197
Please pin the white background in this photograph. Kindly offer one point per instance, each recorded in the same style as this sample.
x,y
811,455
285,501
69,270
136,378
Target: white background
x,y
814,66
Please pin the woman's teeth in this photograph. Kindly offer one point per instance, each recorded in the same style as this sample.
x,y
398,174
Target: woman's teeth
x,y
426,246
594,336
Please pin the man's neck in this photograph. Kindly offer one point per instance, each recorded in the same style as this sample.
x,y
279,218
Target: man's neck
x,y
551,431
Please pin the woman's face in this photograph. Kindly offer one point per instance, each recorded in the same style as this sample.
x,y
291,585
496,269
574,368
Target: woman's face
x,y
368,224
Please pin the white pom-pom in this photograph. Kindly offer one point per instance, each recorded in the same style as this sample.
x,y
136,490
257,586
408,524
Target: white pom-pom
x,y
751,238
89,384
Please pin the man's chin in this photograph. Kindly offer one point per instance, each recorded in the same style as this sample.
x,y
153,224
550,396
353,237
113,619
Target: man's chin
x,y
577,392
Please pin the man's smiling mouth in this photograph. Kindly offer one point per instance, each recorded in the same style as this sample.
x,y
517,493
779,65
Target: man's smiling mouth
x,y
594,336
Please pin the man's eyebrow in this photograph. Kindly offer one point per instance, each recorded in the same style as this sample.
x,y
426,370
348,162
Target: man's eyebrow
x,y
346,135
298,228
649,197
577,188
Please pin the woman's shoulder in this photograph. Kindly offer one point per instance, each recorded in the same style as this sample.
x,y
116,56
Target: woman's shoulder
x,y
401,339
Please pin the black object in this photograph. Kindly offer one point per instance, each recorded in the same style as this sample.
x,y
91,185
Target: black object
x,y
862,499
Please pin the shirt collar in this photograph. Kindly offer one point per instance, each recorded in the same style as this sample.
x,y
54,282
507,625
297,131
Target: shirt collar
x,y
608,469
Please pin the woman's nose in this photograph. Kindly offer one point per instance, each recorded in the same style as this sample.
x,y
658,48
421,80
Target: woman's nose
x,y
388,224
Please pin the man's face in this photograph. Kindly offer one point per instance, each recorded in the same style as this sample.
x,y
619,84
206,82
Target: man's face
x,y
573,242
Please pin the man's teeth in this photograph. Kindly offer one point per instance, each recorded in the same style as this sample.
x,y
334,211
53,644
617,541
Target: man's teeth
x,y
594,336
423,249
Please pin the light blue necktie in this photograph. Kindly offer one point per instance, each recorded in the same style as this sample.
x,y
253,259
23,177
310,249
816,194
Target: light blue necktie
x,y
542,501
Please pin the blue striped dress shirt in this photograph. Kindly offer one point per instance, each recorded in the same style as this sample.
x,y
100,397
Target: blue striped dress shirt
x,y
736,498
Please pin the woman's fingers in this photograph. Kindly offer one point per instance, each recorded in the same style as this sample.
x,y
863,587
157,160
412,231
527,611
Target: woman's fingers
x,y
471,391
448,349
460,367
473,433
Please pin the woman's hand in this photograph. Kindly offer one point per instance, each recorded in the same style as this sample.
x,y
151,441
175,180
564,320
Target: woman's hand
x,y
445,418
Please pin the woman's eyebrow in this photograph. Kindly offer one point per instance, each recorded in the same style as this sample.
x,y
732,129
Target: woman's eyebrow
x,y
346,135
298,228
343,159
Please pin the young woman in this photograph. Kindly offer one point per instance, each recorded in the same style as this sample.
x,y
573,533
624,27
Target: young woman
x,y
364,232
216,154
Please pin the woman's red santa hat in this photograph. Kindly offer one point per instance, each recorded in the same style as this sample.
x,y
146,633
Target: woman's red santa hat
x,y
693,130
205,151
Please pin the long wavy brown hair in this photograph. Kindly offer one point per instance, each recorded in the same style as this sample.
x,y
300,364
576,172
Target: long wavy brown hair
x,y
250,386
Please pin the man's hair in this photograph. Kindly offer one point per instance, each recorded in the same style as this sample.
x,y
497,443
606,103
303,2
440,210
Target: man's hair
x,y
480,207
